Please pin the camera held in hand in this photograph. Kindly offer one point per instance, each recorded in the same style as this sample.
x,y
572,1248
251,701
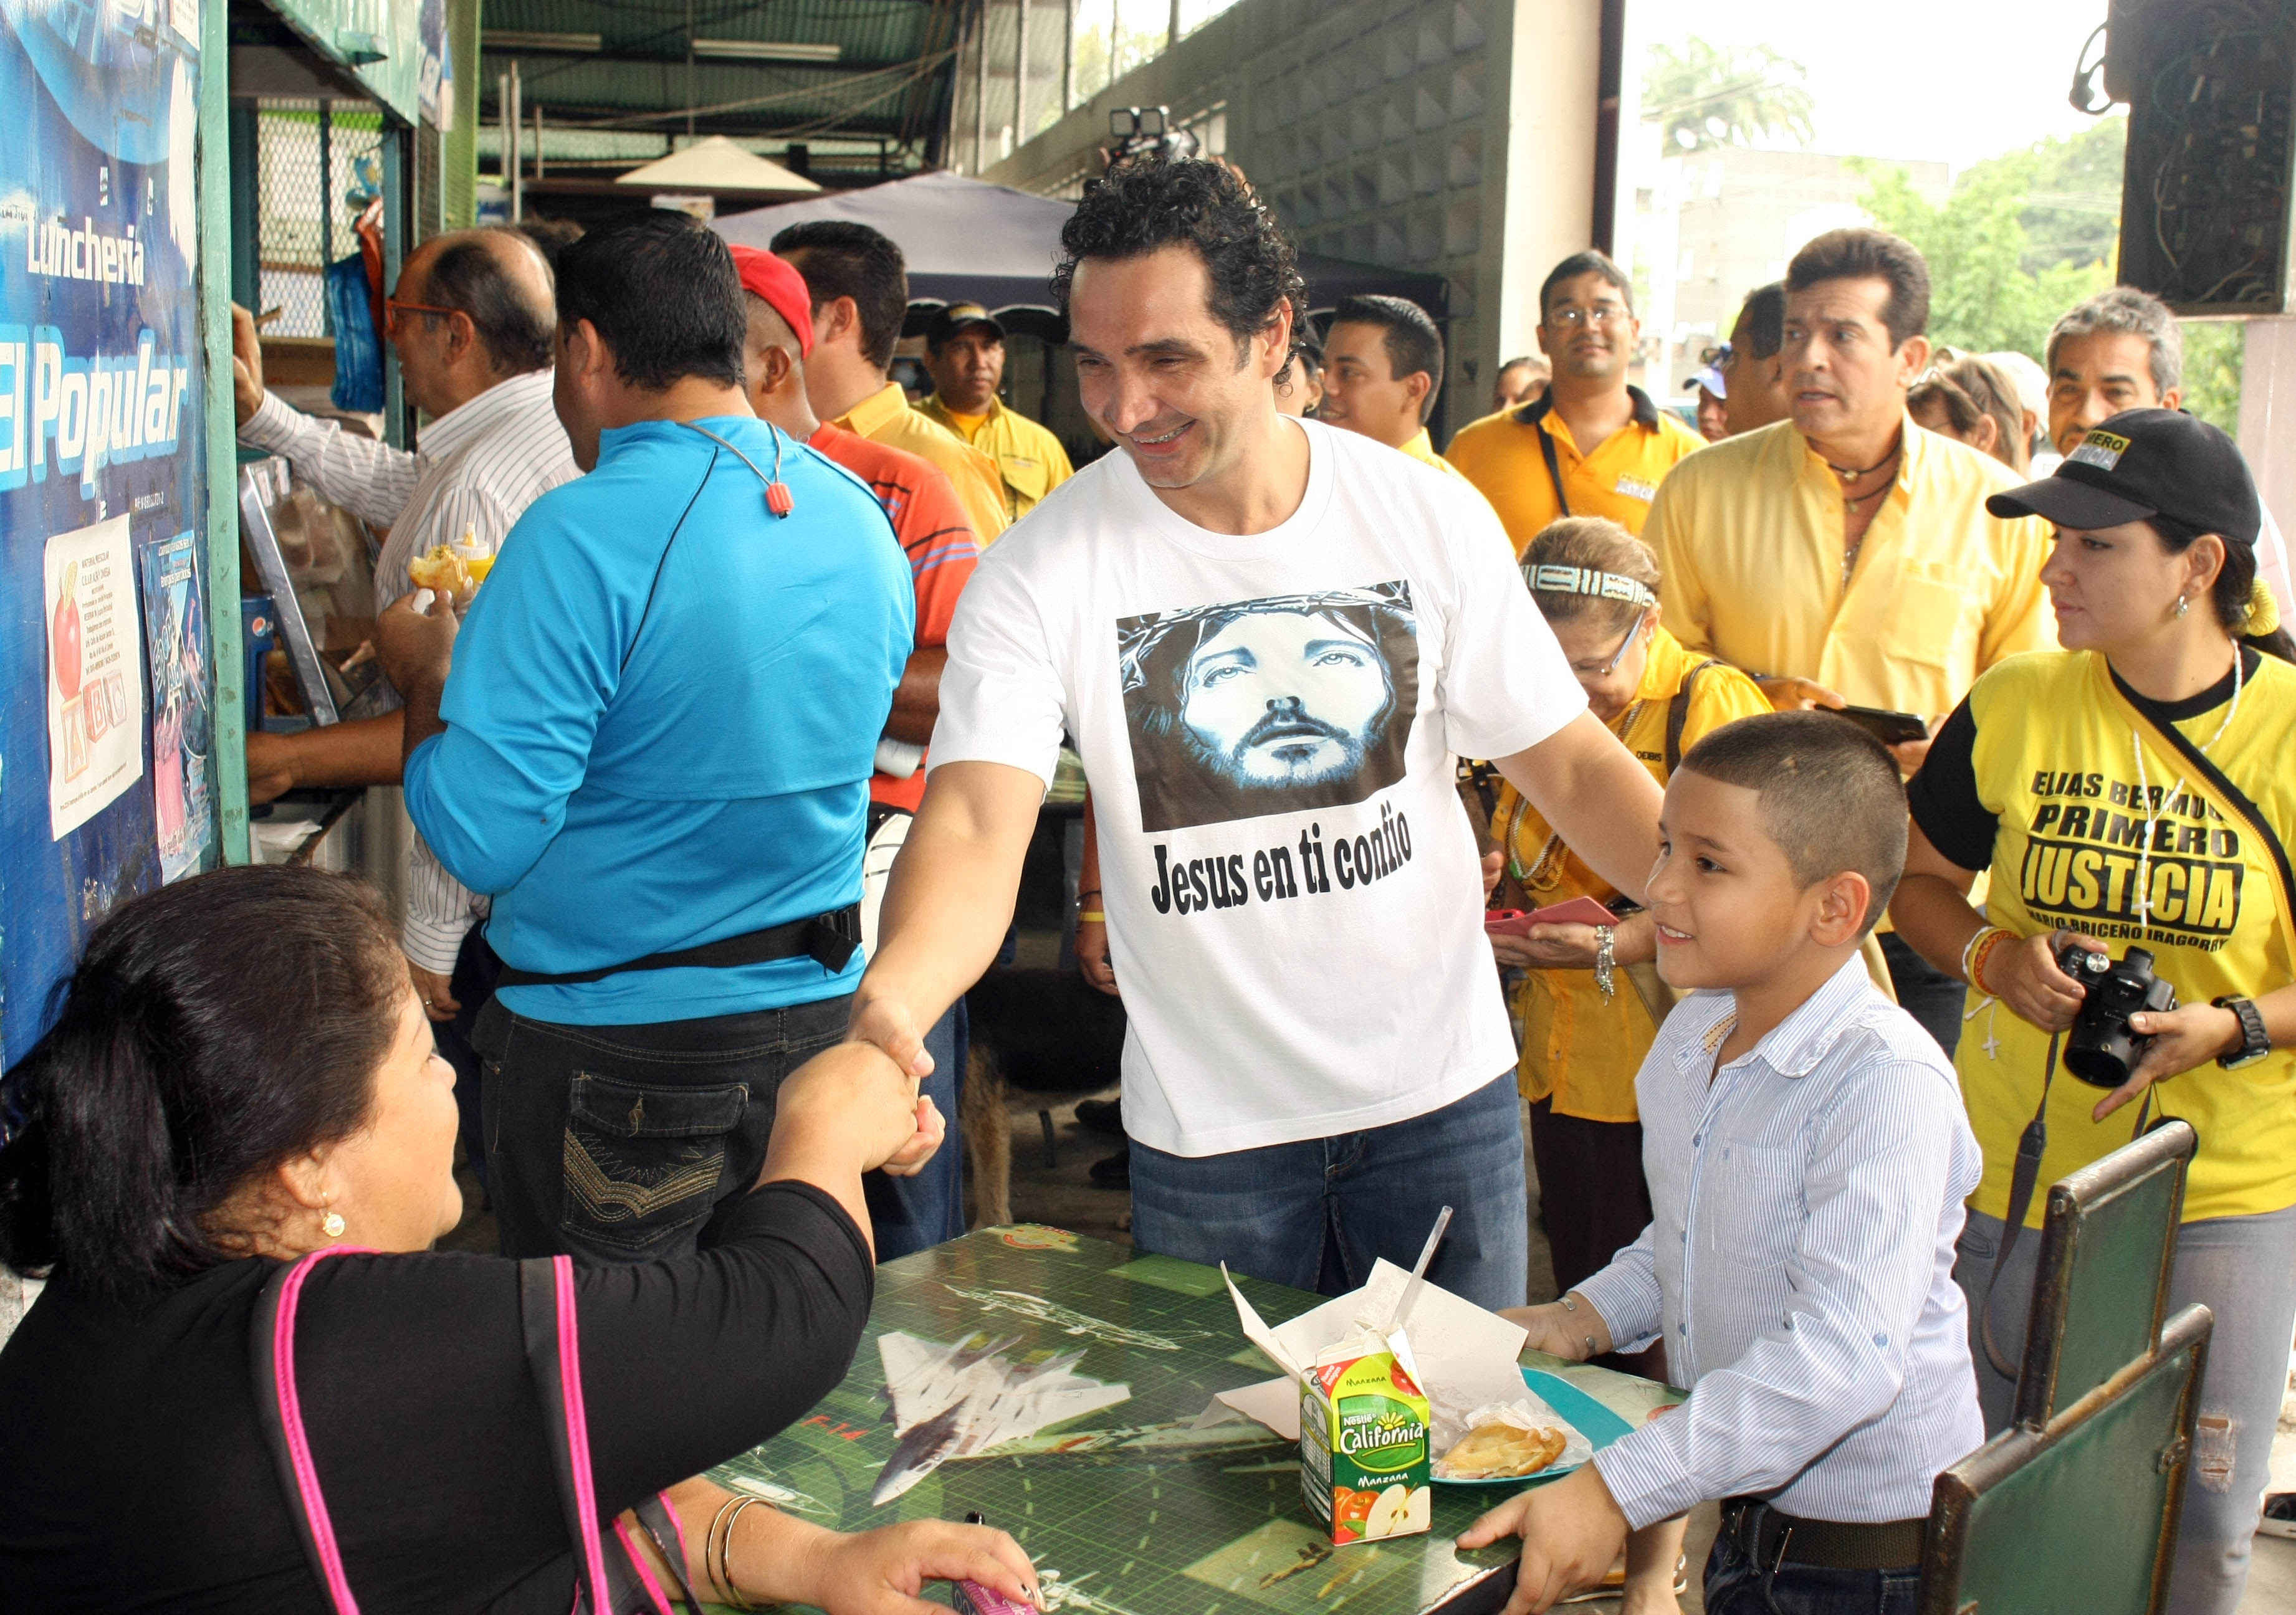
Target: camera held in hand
x,y
2101,1049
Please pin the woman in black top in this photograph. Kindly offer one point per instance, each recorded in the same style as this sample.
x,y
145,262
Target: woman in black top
x,y
176,1135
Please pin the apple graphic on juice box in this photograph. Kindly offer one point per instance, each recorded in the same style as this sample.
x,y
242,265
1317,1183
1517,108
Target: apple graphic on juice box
x,y
64,633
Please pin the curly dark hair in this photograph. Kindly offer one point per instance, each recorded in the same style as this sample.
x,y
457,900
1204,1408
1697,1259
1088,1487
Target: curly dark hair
x,y
1148,203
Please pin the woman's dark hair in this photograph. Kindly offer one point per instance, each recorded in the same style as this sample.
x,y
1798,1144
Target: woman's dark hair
x,y
212,1030
1146,204
664,296
2235,582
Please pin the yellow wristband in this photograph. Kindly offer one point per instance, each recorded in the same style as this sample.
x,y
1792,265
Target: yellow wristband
x,y
1091,916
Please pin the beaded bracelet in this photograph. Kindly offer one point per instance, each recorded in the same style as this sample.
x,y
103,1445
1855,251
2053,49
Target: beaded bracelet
x,y
1982,950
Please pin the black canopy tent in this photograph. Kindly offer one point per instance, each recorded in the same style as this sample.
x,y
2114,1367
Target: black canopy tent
x,y
967,241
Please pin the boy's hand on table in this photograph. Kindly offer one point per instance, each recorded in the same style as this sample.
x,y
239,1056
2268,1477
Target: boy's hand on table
x,y
1572,1532
1569,1328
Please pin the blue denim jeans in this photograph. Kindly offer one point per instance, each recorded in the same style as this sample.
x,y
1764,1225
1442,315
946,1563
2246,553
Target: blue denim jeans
x,y
1736,1585
910,1214
1316,1213
2242,1269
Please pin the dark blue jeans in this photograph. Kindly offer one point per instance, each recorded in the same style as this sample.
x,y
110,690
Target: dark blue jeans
x,y
1316,1214
1736,1585
620,1144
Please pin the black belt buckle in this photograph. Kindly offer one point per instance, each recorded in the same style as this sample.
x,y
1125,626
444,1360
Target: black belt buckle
x,y
832,938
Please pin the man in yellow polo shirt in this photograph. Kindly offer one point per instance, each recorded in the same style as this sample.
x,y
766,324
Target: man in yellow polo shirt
x,y
1528,462
1382,367
859,285
964,351
1845,557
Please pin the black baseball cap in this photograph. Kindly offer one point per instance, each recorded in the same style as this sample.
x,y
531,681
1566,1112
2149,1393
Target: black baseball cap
x,y
954,318
2142,463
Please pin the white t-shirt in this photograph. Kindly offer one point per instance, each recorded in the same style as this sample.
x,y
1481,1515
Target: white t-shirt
x,y
1293,890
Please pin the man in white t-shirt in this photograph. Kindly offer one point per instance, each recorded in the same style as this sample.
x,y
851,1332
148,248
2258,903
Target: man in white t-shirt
x,y
1268,639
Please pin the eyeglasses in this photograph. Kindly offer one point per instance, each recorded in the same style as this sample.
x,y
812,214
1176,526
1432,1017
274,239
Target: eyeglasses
x,y
1716,355
1626,644
393,308
1570,319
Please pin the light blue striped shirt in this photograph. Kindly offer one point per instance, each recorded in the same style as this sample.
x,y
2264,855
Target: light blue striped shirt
x,y
1798,1263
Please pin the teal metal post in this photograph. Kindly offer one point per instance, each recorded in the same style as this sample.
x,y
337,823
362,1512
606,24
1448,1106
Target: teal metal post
x,y
397,218
218,269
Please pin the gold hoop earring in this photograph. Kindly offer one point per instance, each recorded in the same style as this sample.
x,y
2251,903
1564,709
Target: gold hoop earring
x,y
331,1224
2183,605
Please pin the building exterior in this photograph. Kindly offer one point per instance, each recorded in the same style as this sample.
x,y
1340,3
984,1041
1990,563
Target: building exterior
x,y
1452,136
1711,226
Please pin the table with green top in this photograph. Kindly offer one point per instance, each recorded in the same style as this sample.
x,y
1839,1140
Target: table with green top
x,y
1139,1506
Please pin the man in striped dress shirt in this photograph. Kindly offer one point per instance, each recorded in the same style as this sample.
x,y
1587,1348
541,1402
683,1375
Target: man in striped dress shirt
x,y
1808,1158
473,321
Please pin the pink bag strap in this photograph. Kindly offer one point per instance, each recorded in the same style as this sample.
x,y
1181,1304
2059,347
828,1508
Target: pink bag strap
x,y
281,1410
554,1353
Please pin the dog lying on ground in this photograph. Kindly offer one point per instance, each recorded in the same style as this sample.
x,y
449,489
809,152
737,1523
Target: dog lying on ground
x,y
1038,1035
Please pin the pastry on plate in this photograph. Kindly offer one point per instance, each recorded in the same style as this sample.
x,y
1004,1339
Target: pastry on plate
x,y
1500,1451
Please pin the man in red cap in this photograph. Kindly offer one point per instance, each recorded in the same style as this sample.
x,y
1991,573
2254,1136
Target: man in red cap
x,y
930,524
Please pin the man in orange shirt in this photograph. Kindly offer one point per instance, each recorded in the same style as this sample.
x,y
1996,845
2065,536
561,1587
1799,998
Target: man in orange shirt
x,y
1592,444
909,1213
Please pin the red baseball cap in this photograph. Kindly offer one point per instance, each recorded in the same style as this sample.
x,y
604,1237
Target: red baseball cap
x,y
781,287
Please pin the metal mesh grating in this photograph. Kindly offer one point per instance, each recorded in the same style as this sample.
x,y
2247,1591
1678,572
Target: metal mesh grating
x,y
302,223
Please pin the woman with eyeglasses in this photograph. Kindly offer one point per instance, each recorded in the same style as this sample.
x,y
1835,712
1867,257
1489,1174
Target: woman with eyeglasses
x,y
1969,400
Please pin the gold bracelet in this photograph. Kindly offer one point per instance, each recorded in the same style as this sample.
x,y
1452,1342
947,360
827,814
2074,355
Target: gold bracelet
x,y
1969,950
1985,952
734,1598
1091,916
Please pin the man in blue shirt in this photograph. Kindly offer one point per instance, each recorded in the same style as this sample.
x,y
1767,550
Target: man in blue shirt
x,y
654,751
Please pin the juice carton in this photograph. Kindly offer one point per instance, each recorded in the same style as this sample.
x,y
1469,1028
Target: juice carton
x,y
1364,1451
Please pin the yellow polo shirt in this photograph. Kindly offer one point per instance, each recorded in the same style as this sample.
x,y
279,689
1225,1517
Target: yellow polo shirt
x,y
1030,461
885,417
1750,542
1500,455
1421,448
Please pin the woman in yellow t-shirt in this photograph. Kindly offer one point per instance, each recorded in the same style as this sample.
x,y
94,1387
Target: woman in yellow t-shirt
x,y
2127,793
1585,1024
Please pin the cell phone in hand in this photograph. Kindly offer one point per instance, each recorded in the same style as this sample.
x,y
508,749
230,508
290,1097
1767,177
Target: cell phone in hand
x,y
1577,911
1891,728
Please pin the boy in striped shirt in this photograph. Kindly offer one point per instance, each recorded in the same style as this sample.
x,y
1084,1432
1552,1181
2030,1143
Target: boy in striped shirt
x,y
1808,1158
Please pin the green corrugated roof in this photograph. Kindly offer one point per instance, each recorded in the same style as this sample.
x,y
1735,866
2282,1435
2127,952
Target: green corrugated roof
x,y
891,77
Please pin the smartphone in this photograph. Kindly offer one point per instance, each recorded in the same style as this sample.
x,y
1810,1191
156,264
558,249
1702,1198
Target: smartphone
x,y
1891,728
1577,911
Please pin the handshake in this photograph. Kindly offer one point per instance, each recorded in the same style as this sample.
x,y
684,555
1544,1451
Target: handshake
x,y
850,1110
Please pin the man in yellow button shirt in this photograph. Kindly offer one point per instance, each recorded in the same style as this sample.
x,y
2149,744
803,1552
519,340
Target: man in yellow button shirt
x,y
1845,557
965,350
1529,462
860,289
1382,367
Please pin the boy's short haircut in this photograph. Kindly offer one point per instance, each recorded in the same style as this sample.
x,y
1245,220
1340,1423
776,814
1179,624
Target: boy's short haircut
x,y
1831,798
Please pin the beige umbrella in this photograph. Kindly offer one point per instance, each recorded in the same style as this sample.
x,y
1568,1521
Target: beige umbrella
x,y
716,164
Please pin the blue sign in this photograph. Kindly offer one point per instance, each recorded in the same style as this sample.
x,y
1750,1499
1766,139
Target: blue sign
x,y
101,417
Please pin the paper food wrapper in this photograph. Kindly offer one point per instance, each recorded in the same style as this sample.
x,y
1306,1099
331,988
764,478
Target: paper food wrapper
x,y
1529,1411
1463,1357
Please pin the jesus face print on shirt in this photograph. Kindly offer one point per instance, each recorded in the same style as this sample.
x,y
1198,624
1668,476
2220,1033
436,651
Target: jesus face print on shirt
x,y
1256,707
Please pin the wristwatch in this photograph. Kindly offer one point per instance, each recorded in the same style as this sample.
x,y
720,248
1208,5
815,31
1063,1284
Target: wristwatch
x,y
2255,1042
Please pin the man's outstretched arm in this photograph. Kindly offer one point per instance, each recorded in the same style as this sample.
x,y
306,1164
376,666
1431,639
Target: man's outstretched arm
x,y
1596,793
947,905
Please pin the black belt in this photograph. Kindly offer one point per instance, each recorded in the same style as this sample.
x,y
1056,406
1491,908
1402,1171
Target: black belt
x,y
1769,1538
828,939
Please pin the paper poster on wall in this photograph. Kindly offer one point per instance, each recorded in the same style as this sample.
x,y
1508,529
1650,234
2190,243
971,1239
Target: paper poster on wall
x,y
175,634
100,463
95,690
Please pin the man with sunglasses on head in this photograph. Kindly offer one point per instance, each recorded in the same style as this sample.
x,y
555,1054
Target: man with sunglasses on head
x,y
472,320
1592,444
